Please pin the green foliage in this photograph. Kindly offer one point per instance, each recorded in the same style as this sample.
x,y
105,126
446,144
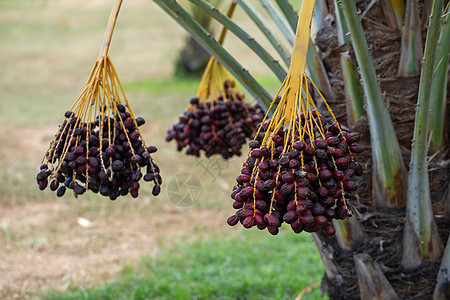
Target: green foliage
x,y
173,9
389,170
250,41
439,85
420,237
251,265
265,29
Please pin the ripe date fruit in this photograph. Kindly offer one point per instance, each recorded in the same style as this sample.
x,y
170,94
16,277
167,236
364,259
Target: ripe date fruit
x,y
303,181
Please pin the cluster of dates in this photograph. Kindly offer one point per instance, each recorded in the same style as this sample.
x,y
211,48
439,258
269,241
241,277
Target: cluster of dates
x,y
219,126
305,181
106,156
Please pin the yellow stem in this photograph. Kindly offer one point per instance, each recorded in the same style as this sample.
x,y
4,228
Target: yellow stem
x,y
229,15
109,29
298,61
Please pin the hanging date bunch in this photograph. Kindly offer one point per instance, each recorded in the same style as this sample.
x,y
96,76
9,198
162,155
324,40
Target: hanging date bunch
x,y
300,166
217,120
98,146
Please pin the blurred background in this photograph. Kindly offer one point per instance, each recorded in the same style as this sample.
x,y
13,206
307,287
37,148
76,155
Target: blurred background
x,y
176,245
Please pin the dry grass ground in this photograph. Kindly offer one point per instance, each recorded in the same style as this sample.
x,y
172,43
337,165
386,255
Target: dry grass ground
x,y
46,51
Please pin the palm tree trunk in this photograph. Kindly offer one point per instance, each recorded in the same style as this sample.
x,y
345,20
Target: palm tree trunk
x,y
385,279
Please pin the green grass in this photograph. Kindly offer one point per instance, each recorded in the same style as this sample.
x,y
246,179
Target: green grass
x,y
163,85
18,183
183,85
250,265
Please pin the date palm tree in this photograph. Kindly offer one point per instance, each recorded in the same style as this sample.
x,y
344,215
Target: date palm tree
x,y
193,57
383,66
